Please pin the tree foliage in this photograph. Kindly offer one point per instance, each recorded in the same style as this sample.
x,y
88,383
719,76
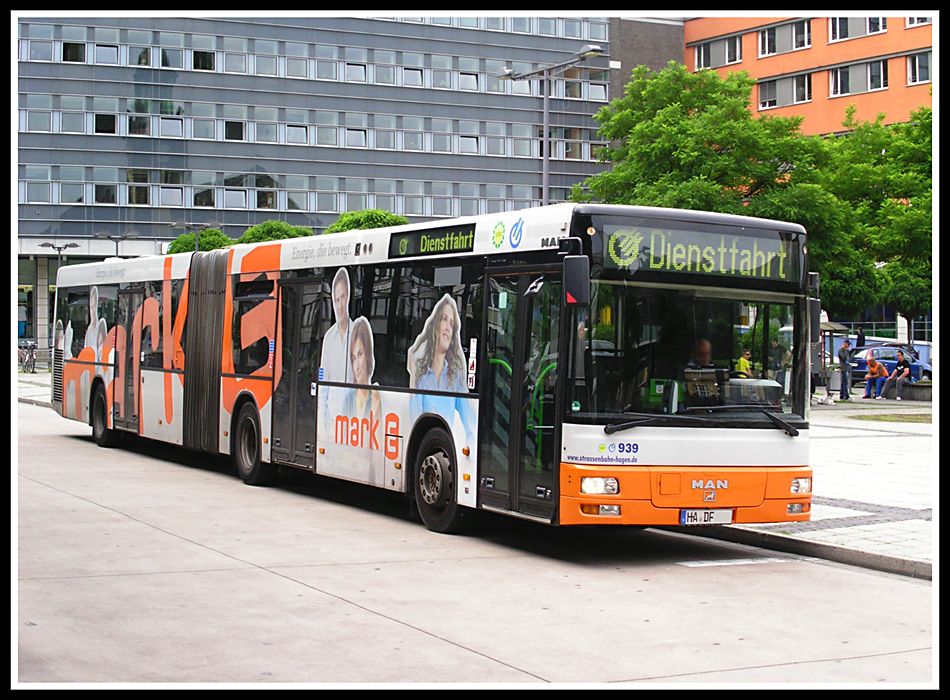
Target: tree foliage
x,y
688,140
273,230
366,218
209,239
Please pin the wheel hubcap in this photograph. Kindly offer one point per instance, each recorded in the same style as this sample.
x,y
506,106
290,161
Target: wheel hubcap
x,y
433,479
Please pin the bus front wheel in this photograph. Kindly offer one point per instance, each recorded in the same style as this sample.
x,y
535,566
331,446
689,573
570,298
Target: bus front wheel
x,y
247,449
434,484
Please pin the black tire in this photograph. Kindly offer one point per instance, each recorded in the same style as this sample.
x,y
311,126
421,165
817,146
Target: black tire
x,y
246,449
435,480
99,418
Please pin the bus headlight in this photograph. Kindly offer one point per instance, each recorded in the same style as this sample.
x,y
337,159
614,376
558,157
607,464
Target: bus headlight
x,y
801,485
597,485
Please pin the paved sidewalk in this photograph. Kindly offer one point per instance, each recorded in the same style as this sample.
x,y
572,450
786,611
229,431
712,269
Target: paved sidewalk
x,y
874,485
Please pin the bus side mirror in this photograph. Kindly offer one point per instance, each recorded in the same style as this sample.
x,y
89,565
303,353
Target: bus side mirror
x,y
814,319
577,280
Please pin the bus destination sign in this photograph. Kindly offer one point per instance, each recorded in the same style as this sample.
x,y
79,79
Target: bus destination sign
x,y
765,256
433,241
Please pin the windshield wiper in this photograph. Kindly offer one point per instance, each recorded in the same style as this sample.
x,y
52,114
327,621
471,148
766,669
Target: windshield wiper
x,y
646,419
758,406
779,423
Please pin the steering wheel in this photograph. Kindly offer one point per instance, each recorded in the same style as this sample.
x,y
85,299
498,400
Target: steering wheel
x,y
736,374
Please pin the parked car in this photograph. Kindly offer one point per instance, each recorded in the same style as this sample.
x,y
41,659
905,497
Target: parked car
x,y
887,356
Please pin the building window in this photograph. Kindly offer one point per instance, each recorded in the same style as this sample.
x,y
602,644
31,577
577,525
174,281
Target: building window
x,y
355,138
73,122
767,42
202,129
235,63
296,134
326,70
204,197
41,51
355,73
441,206
412,77
801,34
840,81
803,88
917,21
918,68
326,201
173,128
297,201
172,58
877,75
139,56
767,94
235,199
876,25
296,67
105,124
702,56
139,126
74,53
107,53
442,143
468,144
385,139
442,79
265,132
265,65
38,192
573,28
203,60
266,199
71,193
412,141
839,28
39,121
171,197
234,131
414,206
105,194
734,49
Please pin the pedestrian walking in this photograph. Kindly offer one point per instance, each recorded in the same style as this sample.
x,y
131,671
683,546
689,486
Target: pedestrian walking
x,y
859,343
845,368
899,377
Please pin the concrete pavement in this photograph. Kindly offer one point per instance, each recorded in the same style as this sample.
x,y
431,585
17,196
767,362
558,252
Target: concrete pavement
x,y
874,484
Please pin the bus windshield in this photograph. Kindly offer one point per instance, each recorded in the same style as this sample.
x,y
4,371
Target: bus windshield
x,y
679,351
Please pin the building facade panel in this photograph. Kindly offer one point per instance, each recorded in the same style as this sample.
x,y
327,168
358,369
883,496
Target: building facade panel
x,y
129,126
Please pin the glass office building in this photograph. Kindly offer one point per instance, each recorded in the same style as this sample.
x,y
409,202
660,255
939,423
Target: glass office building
x,y
131,128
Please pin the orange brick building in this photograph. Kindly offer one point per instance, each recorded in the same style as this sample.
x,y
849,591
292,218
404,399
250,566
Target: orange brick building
x,y
816,67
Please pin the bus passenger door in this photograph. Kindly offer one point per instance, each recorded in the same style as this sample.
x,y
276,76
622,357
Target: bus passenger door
x,y
295,396
519,455
127,363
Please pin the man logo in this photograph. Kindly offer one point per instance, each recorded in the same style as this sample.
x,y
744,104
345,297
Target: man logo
x,y
709,496
403,246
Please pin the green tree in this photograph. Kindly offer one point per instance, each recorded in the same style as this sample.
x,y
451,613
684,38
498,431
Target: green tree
x,y
273,230
209,239
366,218
688,140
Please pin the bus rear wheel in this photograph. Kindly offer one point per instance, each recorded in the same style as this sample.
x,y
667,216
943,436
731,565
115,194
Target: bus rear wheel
x,y
101,433
435,482
247,449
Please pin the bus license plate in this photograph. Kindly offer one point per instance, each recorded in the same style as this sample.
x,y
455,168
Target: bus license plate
x,y
706,517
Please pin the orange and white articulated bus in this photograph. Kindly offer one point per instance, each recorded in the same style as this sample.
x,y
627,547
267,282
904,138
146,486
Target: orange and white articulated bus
x,y
570,364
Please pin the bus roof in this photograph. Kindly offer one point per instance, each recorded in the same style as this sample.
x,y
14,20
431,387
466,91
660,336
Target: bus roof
x,y
530,229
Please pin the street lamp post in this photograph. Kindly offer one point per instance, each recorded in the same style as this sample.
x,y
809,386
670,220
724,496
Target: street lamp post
x,y
196,227
59,248
115,238
546,73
